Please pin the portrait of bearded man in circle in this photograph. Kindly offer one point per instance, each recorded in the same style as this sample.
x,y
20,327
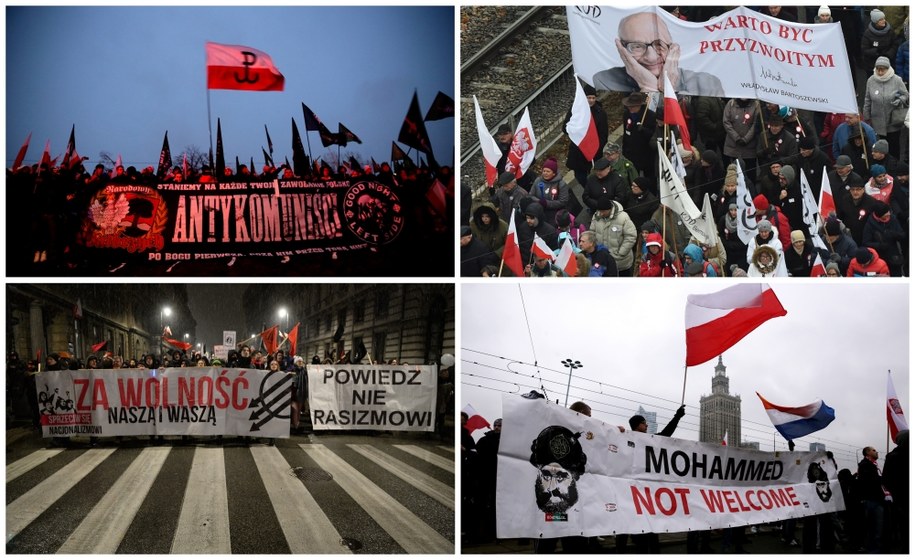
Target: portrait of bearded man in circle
x,y
560,462
817,475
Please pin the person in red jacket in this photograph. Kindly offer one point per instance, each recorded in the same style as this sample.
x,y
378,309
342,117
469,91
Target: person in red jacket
x,y
766,211
867,263
657,262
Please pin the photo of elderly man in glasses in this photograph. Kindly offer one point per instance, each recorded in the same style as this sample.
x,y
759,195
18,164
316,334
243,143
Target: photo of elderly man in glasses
x,y
647,49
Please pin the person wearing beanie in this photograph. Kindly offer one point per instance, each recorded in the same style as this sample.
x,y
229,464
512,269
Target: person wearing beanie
x,y
800,257
579,163
880,154
777,140
504,141
506,195
883,233
728,193
810,160
658,262
615,231
790,198
832,270
641,203
867,263
550,190
853,207
824,15
474,254
613,152
768,184
604,181
879,39
842,175
880,185
765,235
535,223
839,243
566,223
776,218
886,102
734,247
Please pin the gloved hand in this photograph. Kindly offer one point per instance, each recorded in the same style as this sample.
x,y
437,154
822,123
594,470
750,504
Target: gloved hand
x,y
665,262
681,412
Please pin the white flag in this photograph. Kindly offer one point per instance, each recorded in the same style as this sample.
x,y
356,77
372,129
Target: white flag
x,y
488,144
746,211
675,197
811,213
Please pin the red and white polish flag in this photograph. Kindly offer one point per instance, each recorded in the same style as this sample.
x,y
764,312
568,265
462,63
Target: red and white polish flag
x,y
488,144
724,440
474,420
541,249
566,258
673,114
581,128
717,321
894,414
511,254
818,269
524,147
827,203
240,67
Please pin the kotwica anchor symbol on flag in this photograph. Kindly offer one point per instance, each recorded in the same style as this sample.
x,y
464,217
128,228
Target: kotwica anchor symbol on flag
x,y
273,402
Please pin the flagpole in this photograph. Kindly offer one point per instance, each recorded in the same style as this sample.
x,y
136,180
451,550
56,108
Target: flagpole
x,y
308,140
210,127
683,396
763,122
863,142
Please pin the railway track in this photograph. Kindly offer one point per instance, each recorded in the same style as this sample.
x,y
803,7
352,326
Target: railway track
x,y
513,58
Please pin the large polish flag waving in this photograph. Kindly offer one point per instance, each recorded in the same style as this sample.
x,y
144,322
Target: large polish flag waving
x,y
239,67
717,321
894,415
491,152
581,128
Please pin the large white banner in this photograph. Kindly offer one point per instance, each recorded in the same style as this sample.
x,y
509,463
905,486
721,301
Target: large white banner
x,y
563,474
742,54
165,401
374,397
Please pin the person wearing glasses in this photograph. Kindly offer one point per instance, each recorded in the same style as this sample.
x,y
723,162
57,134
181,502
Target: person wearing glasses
x,y
647,49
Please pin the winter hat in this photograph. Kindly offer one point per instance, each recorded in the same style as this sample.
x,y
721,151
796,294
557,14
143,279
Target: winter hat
x,y
863,255
880,209
465,231
563,219
602,163
797,235
881,146
833,266
612,148
709,156
806,143
824,10
882,62
604,203
761,203
503,129
843,161
730,177
764,225
589,89
551,164
788,173
505,178
653,239
732,206
877,15
877,170
833,227
651,226
683,151
644,183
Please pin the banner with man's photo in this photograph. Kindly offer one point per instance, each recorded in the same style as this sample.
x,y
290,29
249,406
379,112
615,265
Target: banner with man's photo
x,y
740,54
204,401
564,474
372,397
200,221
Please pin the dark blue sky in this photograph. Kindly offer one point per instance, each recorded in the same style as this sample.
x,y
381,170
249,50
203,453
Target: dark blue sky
x,y
125,75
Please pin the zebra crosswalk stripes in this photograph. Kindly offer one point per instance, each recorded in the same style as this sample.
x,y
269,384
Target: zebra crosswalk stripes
x,y
332,497
405,527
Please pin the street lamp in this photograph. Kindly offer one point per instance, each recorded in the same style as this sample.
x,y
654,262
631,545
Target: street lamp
x,y
284,313
163,313
572,366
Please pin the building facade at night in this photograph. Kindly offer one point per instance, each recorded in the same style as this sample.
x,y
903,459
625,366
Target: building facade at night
x,y
719,413
412,323
49,318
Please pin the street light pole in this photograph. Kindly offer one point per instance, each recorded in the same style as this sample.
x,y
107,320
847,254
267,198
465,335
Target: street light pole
x,y
164,312
572,366
285,313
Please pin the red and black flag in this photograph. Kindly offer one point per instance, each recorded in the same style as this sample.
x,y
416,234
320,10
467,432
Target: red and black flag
x,y
354,164
299,159
220,154
293,338
413,131
165,159
375,167
99,346
312,122
20,156
328,138
346,135
71,147
442,108
396,153
241,67
268,337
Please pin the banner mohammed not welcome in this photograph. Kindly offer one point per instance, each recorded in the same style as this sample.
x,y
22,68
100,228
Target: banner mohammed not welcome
x,y
564,474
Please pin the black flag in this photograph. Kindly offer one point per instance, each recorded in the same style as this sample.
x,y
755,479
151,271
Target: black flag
x,y
71,148
413,131
165,159
346,135
442,108
269,145
267,158
299,159
220,154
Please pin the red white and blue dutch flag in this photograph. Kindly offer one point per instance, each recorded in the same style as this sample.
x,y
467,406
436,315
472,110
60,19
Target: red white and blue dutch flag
x,y
794,422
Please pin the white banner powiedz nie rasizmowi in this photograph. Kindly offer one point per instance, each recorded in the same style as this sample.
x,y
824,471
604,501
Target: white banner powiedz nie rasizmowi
x,y
742,54
165,401
564,474
372,397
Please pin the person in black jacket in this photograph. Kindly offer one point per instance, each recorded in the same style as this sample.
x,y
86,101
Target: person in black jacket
x,y
874,498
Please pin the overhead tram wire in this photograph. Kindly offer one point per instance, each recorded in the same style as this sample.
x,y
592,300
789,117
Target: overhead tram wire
x,y
530,336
